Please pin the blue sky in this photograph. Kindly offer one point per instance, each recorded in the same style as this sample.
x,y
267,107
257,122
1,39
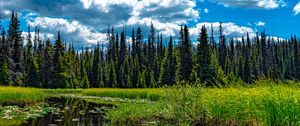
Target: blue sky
x,y
84,22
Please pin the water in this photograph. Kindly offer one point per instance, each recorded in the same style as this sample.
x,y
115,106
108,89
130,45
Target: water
x,y
71,112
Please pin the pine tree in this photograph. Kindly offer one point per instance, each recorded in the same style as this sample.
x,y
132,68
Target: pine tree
x,y
135,72
203,57
247,71
222,49
33,78
95,71
296,59
47,65
4,74
168,67
139,39
84,82
59,75
263,53
121,59
3,48
17,44
186,61
112,80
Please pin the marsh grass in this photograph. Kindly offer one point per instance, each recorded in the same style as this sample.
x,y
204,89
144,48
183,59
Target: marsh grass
x,y
20,95
59,92
151,94
257,105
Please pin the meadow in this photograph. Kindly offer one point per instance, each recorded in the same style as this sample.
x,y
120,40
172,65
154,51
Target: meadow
x,y
20,95
265,103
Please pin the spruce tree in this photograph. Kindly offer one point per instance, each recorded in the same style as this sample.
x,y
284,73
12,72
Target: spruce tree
x,y
47,65
296,59
95,71
246,69
59,75
33,78
112,80
168,67
4,74
203,57
263,53
186,61
222,48
85,81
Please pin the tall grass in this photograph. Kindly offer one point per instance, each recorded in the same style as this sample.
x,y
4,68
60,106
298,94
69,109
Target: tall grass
x,y
11,95
151,94
266,105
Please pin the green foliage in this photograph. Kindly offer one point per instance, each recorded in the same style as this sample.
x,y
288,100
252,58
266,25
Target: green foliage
x,y
168,67
262,105
33,78
112,75
203,58
20,95
4,75
84,82
149,93
185,55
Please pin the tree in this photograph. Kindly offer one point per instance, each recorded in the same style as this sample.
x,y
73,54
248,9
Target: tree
x,y
246,70
168,67
112,80
203,57
85,81
47,65
95,70
263,53
3,48
17,46
186,61
121,59
33,78
59,74
296,59
4,74
222,49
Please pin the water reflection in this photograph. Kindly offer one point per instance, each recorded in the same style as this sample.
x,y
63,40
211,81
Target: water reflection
x,y
71,112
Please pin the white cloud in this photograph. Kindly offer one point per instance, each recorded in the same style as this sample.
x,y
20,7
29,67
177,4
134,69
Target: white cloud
x,y
230,30
173,11
297,9
206,10
166,29
260,23
72,30
86,21
258,4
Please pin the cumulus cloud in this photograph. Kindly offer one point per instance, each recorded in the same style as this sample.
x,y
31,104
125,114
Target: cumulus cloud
x,y
255,4
86,21
99,13
260,23
72,30
230,30
173,11
297,9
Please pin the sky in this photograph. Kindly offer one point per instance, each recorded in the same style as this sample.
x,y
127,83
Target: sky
x,y
85,22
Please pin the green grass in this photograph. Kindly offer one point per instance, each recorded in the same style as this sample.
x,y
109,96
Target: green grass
x,y
55,92
151,94
20,95
263,105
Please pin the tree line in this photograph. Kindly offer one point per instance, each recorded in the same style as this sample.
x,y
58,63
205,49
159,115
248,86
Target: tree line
x,y
148,61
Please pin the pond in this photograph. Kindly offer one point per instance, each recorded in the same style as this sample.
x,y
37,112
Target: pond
x,y
68,111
